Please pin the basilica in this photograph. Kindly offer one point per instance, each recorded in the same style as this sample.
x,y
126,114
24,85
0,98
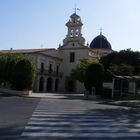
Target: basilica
x,y
53,66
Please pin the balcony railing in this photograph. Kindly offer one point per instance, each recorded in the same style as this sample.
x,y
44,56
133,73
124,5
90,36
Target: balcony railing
x,y
49,72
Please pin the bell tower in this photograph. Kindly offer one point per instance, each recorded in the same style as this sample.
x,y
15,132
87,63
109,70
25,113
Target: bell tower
x,y
74,28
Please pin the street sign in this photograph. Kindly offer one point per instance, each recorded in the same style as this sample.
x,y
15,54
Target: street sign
x,y
107,85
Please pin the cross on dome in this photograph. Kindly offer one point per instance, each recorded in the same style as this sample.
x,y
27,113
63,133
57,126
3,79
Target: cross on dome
x,y
101,29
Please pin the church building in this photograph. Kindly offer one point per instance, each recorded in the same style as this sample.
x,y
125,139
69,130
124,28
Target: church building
x,y
53,66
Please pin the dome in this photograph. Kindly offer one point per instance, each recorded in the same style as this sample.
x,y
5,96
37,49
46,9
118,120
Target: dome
x,y
100,42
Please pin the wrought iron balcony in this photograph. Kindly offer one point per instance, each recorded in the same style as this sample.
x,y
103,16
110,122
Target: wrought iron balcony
x,y
49,72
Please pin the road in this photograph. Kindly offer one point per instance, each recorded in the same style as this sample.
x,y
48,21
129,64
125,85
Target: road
x,y
14,115
70,118
75,119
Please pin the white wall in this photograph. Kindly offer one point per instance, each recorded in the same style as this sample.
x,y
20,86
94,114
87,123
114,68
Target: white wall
x,y
67,65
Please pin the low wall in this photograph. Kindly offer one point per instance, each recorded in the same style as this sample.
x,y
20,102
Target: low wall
x,y
15,92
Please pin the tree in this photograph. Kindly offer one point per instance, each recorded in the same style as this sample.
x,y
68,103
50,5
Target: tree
x,y
2,69
16,71
78,73
94,77
122,69
11,61
24,75
121,61
7,63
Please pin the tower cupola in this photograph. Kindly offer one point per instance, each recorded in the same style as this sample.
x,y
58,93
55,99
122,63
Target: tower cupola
x,y
74,26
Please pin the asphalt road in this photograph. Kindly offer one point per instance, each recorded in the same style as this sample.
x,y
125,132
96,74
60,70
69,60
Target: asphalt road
x,y
74,118
14,115
66,118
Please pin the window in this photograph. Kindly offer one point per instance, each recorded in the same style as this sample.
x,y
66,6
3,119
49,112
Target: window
x,y
42,67
73,44
77,32
50,68
71,33
72,56
57,70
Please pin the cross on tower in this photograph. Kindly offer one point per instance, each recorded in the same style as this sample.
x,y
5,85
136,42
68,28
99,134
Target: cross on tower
x,y
101,29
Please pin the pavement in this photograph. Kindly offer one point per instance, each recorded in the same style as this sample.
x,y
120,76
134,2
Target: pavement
x,y
127,103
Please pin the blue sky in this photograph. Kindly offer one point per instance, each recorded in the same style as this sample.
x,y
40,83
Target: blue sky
x,y
28,24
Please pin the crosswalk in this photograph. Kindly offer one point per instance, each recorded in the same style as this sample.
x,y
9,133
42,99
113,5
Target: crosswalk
x,y
78,123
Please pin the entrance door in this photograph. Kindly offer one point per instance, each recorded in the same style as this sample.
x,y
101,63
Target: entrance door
x,y
56,84
41,84
71,86
49,84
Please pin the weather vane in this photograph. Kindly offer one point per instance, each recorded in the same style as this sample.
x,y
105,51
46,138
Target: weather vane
x,y
76,9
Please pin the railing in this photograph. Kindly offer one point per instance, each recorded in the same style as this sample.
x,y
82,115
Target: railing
x,y
49,72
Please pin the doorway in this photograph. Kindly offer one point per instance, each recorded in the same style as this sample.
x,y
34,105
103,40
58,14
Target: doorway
x,y
41,84
49,84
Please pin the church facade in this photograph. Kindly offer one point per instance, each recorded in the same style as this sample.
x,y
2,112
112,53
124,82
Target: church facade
x,y
53,66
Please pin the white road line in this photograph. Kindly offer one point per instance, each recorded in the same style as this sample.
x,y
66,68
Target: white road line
x,y
77,123
67,112
73,119
68,116
82,123
88,135
52,128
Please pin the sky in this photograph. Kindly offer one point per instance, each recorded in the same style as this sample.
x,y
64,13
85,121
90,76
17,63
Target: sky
x,y
27,24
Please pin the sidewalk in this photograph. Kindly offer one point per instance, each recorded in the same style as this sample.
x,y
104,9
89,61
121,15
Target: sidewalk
x,y
56,95
127,103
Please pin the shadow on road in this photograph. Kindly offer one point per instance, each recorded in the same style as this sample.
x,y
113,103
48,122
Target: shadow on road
x,y
10,132
6,95
118,115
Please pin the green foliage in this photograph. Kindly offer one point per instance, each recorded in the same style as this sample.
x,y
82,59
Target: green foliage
x,y
90,73
78,72
7,63
23,75
2,69
125,62
122,69
94,77
16,71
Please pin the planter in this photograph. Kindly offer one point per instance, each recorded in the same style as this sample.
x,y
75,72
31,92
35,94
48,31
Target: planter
x,y
89,96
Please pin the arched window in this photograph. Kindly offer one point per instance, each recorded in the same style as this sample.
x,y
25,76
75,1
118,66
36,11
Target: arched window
x,y
71,33
77,33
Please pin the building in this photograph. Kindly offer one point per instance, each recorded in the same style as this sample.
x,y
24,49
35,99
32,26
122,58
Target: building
x,y
53,66
122,86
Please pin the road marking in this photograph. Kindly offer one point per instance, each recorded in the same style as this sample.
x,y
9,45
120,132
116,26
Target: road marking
x,y
87,135
78,123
